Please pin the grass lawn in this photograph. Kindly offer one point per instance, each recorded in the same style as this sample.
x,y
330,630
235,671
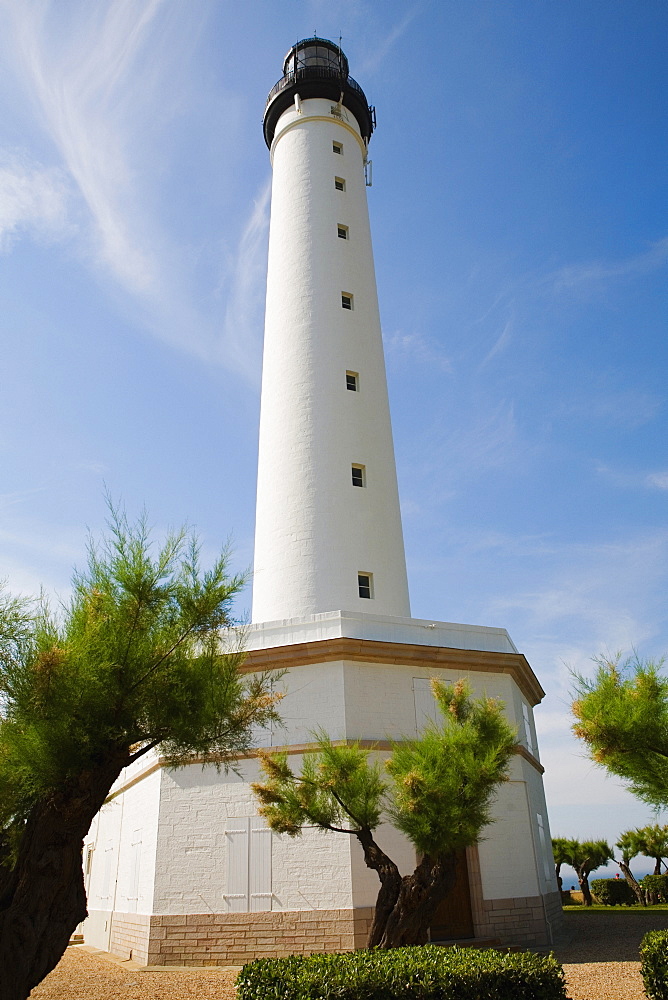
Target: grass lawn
x,y
598,908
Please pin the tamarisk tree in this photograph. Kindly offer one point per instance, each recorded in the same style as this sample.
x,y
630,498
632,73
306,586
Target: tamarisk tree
x,y
133,663
437,790
622,716
630,845
584,857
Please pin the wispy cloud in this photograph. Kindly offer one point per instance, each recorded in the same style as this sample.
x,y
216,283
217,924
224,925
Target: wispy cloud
x,y
414,347
81,89
500,344
615,404
633,478
242,327
33,199
103,80
598,271
658,480
603,596
383,45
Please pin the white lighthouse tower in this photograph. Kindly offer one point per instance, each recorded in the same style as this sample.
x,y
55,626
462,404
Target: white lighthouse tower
x,y
180,869
328,529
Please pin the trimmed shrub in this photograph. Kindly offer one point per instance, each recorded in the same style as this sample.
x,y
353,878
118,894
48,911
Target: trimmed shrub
x,y
419,973
654,963
613,892
656,886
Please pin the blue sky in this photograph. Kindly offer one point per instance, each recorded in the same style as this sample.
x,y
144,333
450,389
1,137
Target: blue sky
x,y
520,227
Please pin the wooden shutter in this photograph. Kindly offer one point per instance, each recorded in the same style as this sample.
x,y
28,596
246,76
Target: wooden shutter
x,y
237,865
259,871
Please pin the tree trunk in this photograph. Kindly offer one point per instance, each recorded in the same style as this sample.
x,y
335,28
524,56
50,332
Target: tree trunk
x,y
557,872
584,886
405,905
657,866
44,898
390,884
420,894
634,884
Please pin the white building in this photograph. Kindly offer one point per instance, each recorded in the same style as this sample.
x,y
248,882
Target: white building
x,y
180,868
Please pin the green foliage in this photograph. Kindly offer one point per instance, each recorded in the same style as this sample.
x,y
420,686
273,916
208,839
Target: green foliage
x,y
585,856
443,782
630,845
654,964
338,788
440,789
613,892
559,849
656,886
652,841
134,661
622,715
419,973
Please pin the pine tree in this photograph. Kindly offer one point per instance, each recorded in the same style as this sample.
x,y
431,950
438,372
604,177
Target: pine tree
x,y
652,841
585,857
559,848
630,845
622,716
133,664
437,790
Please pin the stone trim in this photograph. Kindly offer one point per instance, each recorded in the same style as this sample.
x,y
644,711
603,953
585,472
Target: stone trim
x,y
201,939
130,936
403,654
291,749
529,921
236,938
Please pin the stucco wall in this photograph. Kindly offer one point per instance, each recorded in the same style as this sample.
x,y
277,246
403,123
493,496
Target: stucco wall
x,y
314,530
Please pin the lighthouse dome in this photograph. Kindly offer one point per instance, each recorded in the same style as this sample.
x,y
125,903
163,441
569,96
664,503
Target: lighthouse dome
x,y
316,67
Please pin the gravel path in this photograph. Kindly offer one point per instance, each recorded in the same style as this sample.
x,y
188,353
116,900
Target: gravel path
x,y
599,954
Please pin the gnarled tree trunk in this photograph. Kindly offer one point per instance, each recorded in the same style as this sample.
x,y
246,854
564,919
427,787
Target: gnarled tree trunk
x,y
405,904
43,897
633,883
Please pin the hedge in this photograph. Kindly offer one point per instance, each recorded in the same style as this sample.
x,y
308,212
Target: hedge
x,y
656,886
613,892
427,972
654,964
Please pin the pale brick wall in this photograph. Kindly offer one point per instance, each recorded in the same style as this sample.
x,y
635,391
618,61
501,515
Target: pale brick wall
x,y
130,936
237,938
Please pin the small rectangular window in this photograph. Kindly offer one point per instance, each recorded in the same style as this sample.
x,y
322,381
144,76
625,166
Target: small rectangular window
x,y
359,475
346,300
342,232
339,184
337,148
352,381
365,585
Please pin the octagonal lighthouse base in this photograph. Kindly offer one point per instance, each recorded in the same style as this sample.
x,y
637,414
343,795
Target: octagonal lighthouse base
x,y
181,870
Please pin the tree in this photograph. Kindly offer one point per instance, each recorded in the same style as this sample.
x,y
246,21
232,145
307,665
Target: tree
x,y
133,663
652,841
585,857
438,794
559,849
630,845
622,715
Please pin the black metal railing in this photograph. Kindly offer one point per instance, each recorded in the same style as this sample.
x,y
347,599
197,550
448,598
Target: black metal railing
x,y
314,73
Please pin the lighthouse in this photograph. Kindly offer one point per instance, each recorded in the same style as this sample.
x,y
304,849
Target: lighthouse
x,y
328,528
180,869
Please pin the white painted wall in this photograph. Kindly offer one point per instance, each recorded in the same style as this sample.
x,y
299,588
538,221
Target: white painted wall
x,y
378,628
314,530
202,818
123,837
